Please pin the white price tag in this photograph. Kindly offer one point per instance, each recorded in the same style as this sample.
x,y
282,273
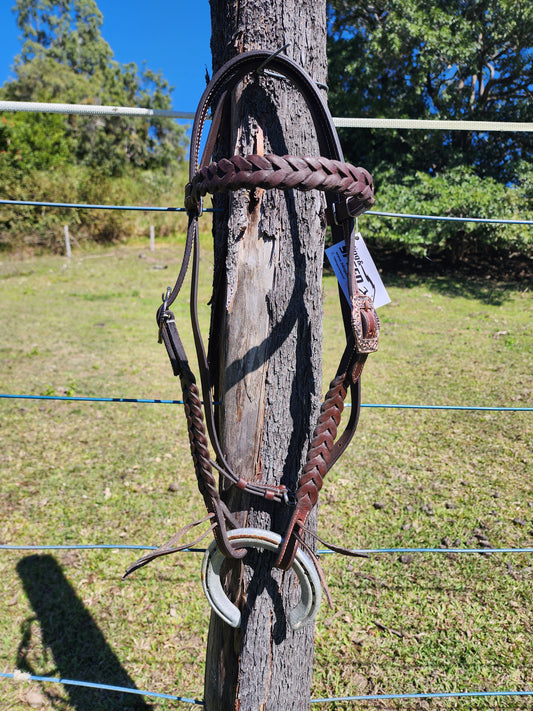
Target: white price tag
x,y
368,279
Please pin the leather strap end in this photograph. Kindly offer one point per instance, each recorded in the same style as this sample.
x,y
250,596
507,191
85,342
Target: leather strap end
x,y
290,543
289,548
168,334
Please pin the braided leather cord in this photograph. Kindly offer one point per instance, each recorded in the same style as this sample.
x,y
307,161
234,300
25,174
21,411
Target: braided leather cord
x,y
207,483
284,173
324,436
316,466
198,442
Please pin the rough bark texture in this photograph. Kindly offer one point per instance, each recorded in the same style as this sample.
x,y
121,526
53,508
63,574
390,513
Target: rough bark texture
x,y
268,310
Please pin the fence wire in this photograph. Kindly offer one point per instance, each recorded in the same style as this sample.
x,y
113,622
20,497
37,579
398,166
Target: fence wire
x,y
339,122
153,208
156,401
21,676
487,550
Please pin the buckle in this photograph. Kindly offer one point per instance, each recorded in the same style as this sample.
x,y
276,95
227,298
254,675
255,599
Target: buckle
x,y
289,498
163,315
348,208
365,328
191,204
333,216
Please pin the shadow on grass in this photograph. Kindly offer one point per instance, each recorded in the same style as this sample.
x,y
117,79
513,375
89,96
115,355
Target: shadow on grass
x,y
78,647
489,283
484,290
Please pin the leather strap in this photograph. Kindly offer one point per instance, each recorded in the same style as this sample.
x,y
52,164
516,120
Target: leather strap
x,y
285,173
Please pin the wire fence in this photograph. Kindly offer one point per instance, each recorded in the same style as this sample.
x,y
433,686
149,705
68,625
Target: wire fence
x,y
130,547
18,676
324,700
152,401
153,208
340,122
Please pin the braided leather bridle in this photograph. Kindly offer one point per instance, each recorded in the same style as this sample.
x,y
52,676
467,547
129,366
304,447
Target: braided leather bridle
x,y
349,192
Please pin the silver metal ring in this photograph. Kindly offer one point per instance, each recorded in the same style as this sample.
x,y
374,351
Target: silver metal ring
x,y
304,612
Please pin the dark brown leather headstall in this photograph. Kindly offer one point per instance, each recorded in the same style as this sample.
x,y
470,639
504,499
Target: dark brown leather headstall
x,y
349,193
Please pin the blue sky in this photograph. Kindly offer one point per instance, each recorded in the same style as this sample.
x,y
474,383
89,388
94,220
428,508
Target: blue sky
x,y
170,35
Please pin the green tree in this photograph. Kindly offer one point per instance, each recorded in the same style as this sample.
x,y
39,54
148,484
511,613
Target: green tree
x,y
85,159
453,59
32,142
439,59
64,58
67,31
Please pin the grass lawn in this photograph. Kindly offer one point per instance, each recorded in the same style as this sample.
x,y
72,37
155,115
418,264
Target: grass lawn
x,y
83,472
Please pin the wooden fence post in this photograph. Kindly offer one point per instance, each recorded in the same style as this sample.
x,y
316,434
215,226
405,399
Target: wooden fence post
x,y
268,308
68,252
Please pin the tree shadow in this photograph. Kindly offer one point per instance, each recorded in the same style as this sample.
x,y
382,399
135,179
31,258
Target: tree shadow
x,y
261,563
78,648
486,282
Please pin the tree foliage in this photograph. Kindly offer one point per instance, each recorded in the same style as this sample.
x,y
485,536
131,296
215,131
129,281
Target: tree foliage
x,y
33,142
457,193
440,59
67,31
65,59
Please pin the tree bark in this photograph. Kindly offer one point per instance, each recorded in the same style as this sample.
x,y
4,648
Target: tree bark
x,y
267,308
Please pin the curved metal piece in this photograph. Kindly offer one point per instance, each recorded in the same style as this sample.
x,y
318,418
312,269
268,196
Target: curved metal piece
x,y
305,610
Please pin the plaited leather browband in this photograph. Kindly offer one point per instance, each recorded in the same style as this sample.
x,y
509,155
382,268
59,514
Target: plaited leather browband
x,y
349,192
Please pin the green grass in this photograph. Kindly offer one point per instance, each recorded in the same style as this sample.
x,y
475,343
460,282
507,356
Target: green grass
x,y
74,472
